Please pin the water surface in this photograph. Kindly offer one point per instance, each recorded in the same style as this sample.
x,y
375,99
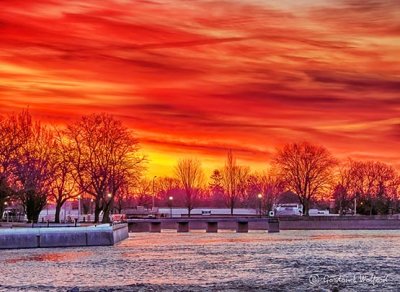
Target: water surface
x,y
197,261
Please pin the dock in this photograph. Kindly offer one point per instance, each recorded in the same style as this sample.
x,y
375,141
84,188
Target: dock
x,y
40,237
210,225
270,224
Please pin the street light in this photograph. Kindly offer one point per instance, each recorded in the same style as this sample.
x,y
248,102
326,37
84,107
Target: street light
x,y
170,199
260,196
7,214
79,206
91,206
110,203
65,209
152,206
355,206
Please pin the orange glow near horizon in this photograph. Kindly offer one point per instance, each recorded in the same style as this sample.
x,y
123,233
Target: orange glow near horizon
x,y
195,78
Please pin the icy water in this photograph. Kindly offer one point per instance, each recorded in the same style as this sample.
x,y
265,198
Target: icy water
x,y
226,261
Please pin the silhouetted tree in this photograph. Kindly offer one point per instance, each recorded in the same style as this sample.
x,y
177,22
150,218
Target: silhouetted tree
x,y
234,181
166,187
343,192
306,170
12,137
268,185
105,156
374,184
144,192
5,193
191,177
32,167
216,188
64,186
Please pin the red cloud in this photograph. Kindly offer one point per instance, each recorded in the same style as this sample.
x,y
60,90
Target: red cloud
x,y
200,77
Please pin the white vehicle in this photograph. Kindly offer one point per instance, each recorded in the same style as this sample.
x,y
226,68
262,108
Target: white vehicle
x,y
288,210
13,215
316,212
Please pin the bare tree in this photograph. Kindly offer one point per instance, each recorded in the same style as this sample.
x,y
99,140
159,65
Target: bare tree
x,y
306,170
191,177
144,192
344,191
105,156
32,168
166,187
12,137
374,184
64,186
216,188
269,186
234,181
123,196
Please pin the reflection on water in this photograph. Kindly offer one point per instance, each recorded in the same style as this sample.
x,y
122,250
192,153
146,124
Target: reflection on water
x,y
198,260
49,257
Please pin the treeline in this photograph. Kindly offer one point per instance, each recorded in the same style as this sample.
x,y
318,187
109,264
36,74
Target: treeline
x,y
97,159
310,171
94,157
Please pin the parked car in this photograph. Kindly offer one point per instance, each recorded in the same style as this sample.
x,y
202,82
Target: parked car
x,y
118,218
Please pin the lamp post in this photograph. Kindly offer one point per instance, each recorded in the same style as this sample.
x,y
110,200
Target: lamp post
x,y
79,206
91,206
65,211
260,201
91,209
109,195
6,204
47,211
64,206
170,199
355,206
152,206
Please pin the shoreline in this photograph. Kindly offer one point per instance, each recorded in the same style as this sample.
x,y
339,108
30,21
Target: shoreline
x,y
285,223
39,237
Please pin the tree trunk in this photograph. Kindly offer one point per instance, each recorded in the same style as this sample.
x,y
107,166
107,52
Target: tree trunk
x,y
306,208
106,214
57,214
232,209
34,204
97,211
189,209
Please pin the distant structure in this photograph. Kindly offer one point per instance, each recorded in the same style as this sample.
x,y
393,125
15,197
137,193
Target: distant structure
x,y
288,204
141,212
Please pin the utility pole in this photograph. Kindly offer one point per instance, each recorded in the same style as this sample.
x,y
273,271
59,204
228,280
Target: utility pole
x,y
152,206
355,206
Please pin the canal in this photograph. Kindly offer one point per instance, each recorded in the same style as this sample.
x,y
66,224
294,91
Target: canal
x,y
197,261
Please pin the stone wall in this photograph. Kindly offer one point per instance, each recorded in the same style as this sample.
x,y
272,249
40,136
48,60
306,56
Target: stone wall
x,y
100,235
285,223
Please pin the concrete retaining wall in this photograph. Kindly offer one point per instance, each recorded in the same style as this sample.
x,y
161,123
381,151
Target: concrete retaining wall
x,y
101,235
285,223
340,224
120,232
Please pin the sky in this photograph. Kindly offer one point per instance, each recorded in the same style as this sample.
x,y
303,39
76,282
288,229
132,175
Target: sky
x,y
195,78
